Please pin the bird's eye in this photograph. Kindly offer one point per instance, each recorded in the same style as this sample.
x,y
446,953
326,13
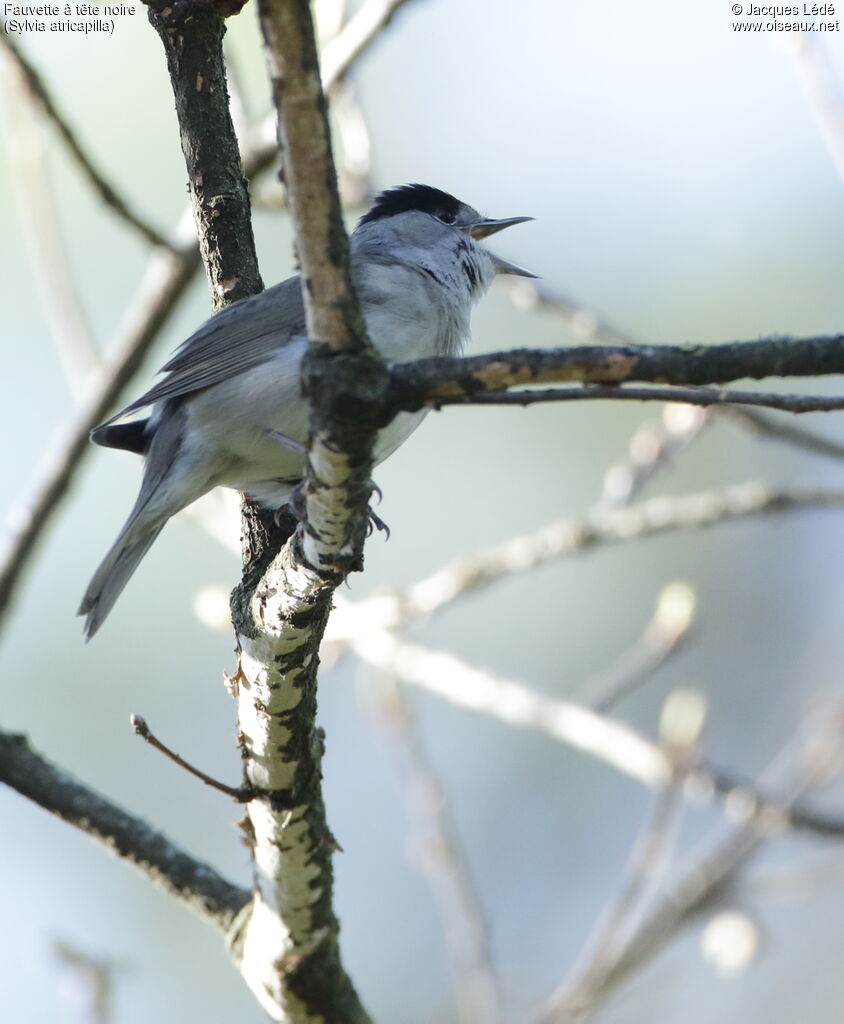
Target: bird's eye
x,y
446,216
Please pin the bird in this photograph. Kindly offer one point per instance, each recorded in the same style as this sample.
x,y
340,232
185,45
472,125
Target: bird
x,y
229,409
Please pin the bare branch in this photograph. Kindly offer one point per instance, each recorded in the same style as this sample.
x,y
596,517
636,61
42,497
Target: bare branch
x,y
681,722
664,634
822,91
607,943
107,193
810,758
460,683
653,446
776,430
333,316
36,206
139,724
167,277
437,851
196,884
617,745
192,36
93,976
563,538
288,946
338,56
366,24
536,296
690,396
440,381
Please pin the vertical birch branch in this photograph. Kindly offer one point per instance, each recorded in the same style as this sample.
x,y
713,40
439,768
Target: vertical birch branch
x,y
288,944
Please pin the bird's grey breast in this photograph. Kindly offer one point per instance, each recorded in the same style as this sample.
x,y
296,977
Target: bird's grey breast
x,y
409,314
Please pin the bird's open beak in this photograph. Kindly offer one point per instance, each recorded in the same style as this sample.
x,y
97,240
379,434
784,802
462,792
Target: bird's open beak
x,y
485,228
503,267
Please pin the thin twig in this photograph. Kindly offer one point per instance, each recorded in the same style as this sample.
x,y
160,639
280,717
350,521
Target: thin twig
x,y
823,92
617,745
691,396
665,633
93,976
535,296
59,298
139,724
567,537
366,24
809,758
606,945
438,851
194,883
681,723
107,193
562,539
782,430
653,447
167,277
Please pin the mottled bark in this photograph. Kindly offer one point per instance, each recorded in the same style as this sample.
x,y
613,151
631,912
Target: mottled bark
x,y
194,883
192,34
288,943
436,381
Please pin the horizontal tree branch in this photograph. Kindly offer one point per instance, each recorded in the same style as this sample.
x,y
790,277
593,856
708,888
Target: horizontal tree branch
x,y
689,396
190,880
434,381
615,744
566,537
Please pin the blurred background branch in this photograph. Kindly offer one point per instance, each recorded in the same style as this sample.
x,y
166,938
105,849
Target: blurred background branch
x,y
105,189
193,882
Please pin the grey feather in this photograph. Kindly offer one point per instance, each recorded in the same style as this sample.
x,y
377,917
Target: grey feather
x,y
112,576
238,338
131,437
144,524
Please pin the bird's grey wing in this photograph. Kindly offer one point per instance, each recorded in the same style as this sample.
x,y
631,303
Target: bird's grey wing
x,y
238,338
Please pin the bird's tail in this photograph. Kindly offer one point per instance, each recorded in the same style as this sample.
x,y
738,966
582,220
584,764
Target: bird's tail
x,y
114,572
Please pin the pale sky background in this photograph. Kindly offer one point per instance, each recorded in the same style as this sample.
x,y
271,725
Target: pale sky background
x,y
682,190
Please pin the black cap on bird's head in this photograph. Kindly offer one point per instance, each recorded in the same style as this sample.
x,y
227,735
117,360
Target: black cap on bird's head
x,y
414,197
448,210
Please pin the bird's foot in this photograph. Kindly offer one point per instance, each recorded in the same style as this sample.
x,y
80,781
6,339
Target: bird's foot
x,y
295,504
376,523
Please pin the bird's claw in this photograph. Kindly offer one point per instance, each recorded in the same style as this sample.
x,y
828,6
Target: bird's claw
x,y
296,507
376,522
